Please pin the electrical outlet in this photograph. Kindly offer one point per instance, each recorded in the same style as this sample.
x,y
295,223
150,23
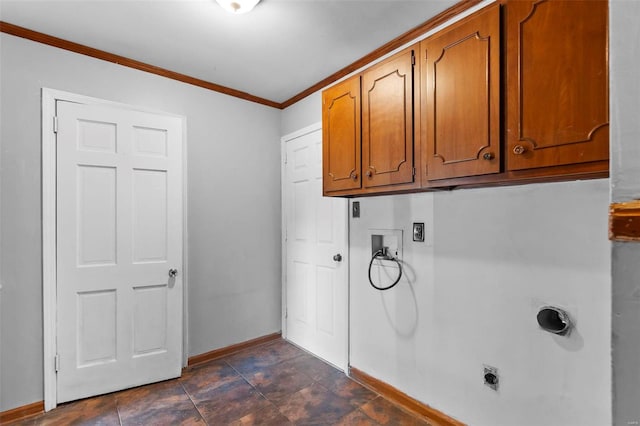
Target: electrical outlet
x,y
491,377
418,231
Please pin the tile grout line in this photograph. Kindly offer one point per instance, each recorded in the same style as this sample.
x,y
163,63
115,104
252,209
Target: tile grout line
x,y
258,391
115,401
193,402
356,408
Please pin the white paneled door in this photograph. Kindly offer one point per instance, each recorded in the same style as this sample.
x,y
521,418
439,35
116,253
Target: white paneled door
x,y
119,234
316,254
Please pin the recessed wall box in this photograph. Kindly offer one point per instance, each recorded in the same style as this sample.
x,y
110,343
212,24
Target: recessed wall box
x,y
388,239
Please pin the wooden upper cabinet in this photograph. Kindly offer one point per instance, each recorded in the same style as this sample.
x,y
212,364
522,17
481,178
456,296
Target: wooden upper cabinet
x,y
557,83
387,122
341,157
461,98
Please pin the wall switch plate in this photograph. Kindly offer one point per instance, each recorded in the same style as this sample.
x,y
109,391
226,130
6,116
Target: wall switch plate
x,y
418,231
355,209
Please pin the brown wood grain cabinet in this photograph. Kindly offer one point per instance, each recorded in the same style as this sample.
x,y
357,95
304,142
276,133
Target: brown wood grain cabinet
x,y
341,132
516,92
557,83
461,98
387,122
368,130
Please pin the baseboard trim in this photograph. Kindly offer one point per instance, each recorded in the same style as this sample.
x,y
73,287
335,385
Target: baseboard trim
x,y
22,413
228,350
435,417
36,408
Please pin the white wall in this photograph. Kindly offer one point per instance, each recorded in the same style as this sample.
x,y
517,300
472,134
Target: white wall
x,y
493,256
234,204
470,297
304,113
625,186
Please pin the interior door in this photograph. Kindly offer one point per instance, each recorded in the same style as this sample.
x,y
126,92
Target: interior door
x,y
119,249
316,255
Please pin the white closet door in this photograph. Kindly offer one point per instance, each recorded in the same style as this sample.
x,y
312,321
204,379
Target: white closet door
x,y
119,233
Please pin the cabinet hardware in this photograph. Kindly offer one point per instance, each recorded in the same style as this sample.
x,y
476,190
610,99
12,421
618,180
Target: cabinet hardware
x,y
488,156
519,150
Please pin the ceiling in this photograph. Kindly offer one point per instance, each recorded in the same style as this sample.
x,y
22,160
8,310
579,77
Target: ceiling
x,y
274,52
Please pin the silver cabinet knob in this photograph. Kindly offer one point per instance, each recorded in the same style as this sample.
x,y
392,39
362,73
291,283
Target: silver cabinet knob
x,y
173,272
337,257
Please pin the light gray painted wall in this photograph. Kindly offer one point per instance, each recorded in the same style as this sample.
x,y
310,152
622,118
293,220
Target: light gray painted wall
x,y
493,256
234,204
470,296
625,186
304,113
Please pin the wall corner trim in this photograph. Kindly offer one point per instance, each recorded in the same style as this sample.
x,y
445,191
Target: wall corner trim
x,y
410,404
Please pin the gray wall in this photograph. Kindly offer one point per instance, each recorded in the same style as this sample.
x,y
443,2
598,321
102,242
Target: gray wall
x,y
233,208
304,113
470,295
496,253
471,292
625,186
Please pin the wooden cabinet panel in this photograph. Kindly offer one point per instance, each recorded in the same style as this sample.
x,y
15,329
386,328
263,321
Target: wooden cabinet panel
x,y
387,122
341,155
537,78
557,83
461,98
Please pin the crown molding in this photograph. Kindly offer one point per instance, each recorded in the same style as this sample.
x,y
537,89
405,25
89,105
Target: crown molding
x,y
389,47
39,37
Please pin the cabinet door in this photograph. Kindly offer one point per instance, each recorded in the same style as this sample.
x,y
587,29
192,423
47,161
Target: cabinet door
x,y
387,122
557,80
461,102
341,157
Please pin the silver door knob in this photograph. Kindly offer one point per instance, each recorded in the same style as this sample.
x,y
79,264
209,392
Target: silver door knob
x,y
173,273
337,257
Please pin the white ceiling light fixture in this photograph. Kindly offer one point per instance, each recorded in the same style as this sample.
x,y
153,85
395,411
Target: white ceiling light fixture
x,y
237,7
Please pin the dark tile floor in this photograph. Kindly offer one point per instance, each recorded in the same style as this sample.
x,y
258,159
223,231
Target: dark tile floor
x,y
272,384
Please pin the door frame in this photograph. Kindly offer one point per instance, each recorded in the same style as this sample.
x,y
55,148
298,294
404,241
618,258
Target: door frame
x,y
283,199
49,248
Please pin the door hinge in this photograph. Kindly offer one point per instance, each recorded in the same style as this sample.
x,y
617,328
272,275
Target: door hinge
x,y
56,361
414,171
413,58
55,124
285,158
